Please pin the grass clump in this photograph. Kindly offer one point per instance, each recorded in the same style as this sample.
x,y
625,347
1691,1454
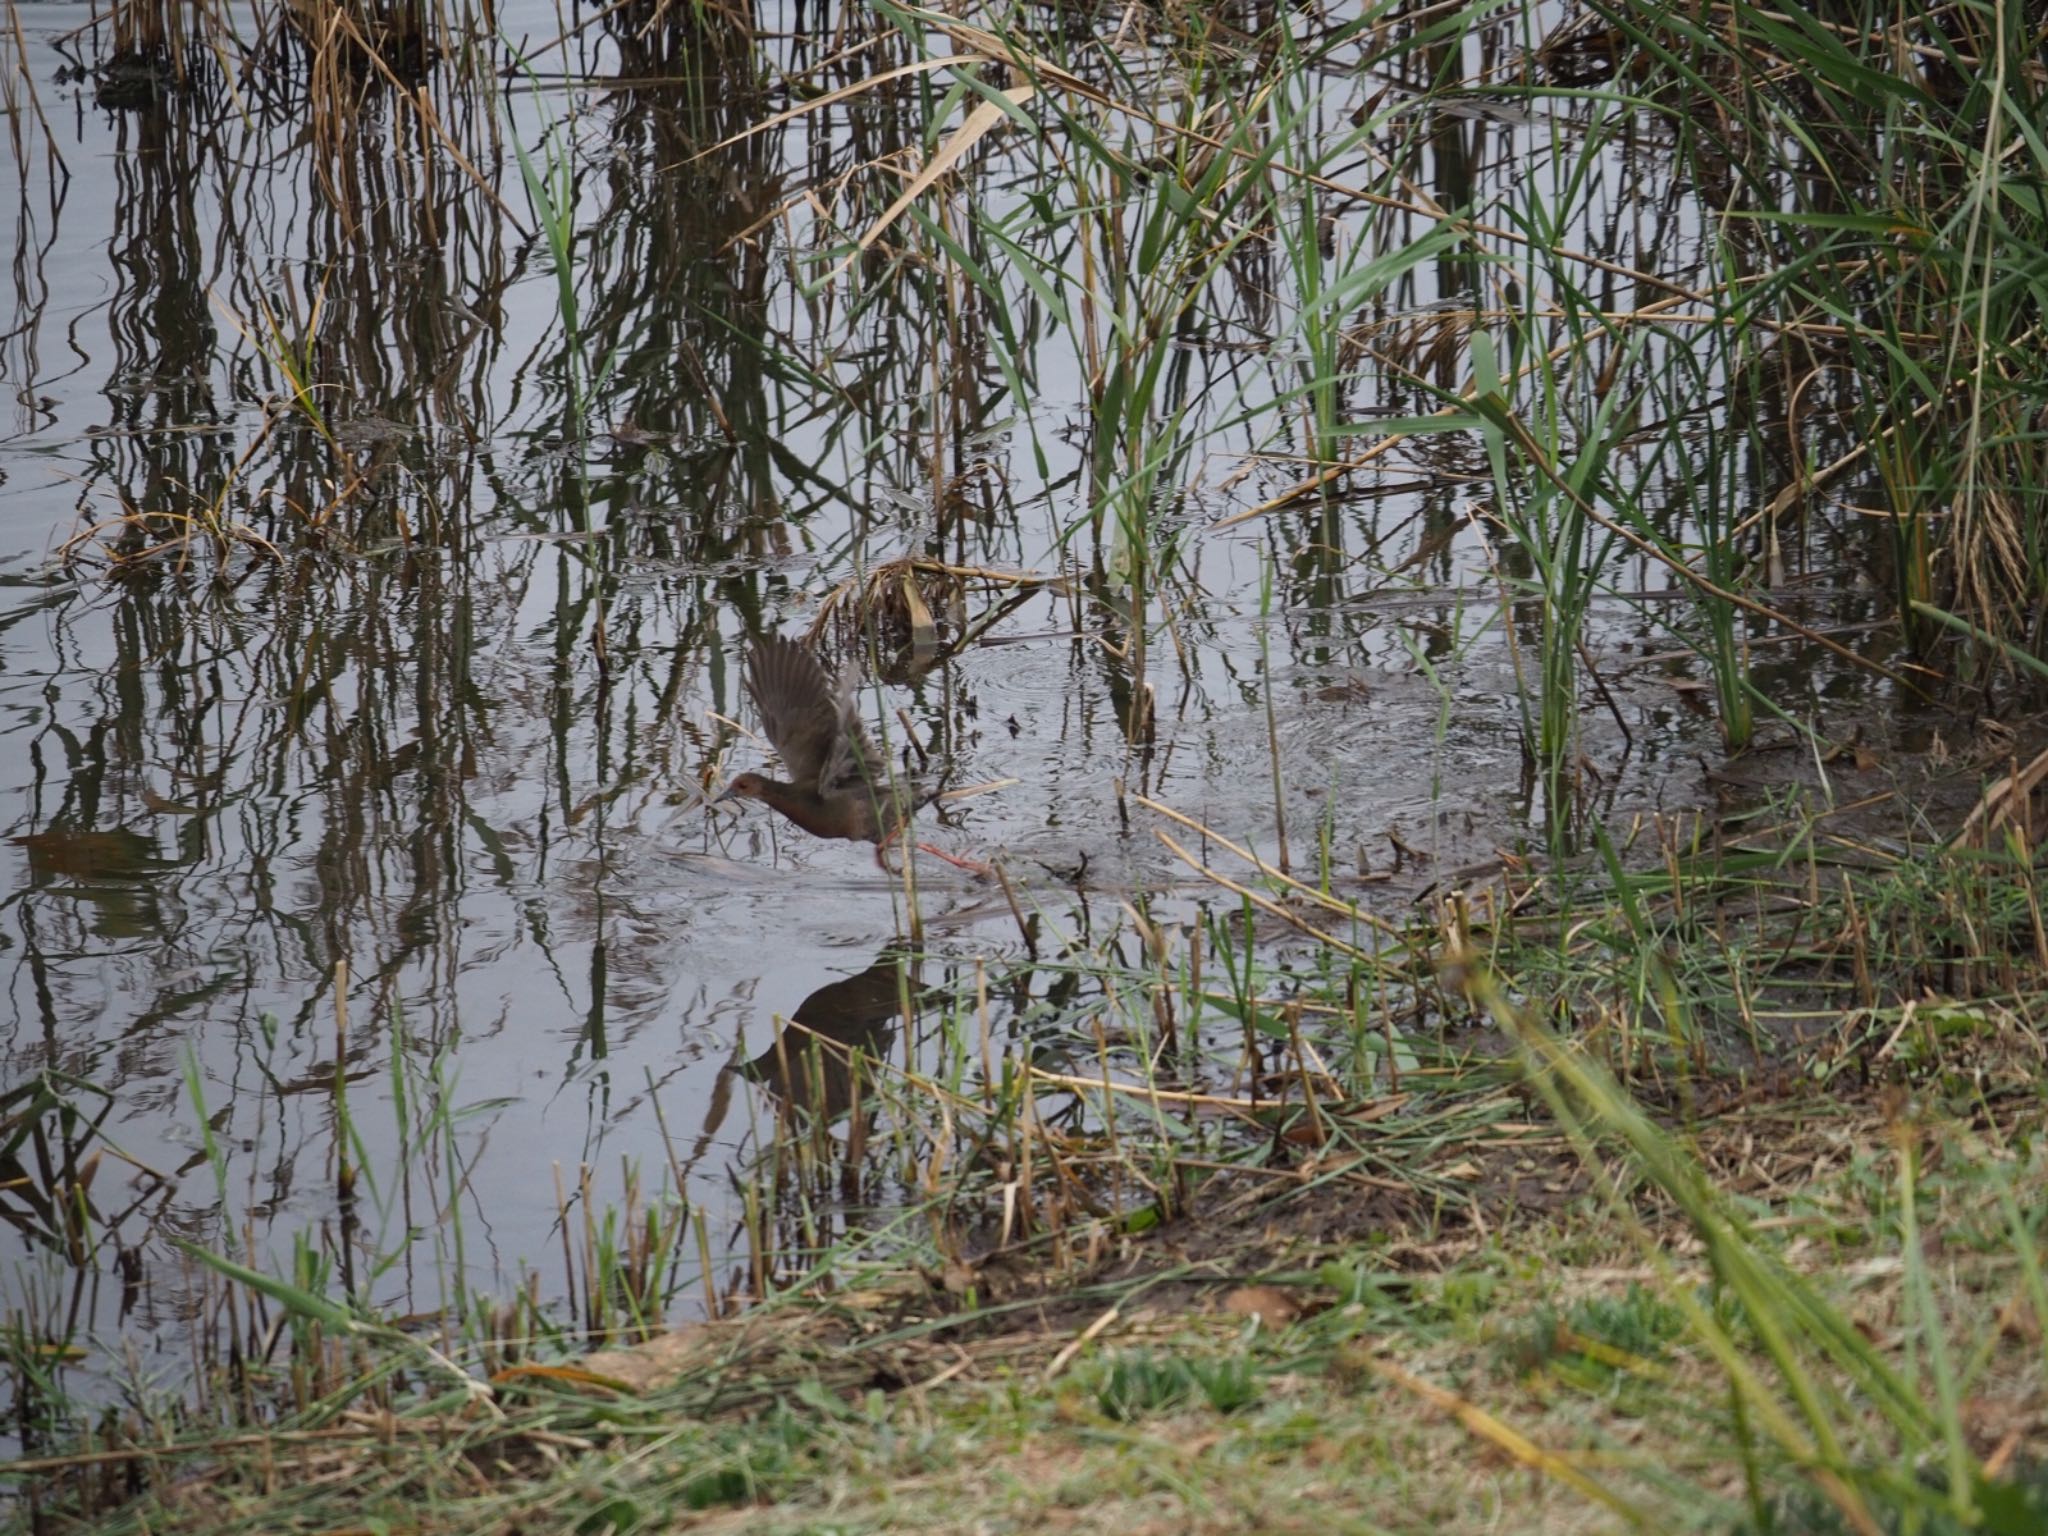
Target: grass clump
x,y
1138,1385
906,1410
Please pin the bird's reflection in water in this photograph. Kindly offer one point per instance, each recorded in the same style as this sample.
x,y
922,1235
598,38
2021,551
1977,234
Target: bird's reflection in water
x,y
819,1072
811,1066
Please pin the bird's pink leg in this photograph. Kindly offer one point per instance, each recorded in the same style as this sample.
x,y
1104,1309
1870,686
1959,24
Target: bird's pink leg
x,y
972,866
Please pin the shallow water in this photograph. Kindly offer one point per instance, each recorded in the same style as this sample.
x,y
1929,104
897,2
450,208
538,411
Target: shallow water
x,y
375,797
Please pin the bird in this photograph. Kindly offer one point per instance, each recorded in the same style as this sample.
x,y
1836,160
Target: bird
x,y
839,785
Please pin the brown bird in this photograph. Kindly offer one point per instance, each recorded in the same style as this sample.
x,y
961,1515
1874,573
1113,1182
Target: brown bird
x,y
839,785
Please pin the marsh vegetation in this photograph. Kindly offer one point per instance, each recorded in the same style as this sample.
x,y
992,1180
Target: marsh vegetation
x,y
1476,570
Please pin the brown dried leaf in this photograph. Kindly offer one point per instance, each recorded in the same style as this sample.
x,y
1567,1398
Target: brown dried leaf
x,y
959,1278
652,1363
1268,1303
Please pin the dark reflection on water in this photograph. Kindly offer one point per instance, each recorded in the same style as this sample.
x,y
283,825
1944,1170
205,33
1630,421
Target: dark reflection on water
x,y
361,826
812,1064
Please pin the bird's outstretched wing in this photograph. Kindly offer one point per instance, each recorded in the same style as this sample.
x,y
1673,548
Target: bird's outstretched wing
x,y
812,722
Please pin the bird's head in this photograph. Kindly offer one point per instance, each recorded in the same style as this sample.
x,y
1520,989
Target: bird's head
x,y
748,786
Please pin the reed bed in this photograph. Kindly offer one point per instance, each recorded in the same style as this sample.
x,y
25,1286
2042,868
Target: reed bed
x,y
1758,307
1681,1167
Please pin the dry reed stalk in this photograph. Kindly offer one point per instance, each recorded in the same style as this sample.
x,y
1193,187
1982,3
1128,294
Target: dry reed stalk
x,y
1265,903
2007,802
1306,892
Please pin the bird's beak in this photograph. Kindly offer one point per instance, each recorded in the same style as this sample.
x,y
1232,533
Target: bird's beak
x,y
723,795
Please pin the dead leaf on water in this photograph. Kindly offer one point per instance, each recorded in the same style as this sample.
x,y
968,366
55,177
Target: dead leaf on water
x,y
116,854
